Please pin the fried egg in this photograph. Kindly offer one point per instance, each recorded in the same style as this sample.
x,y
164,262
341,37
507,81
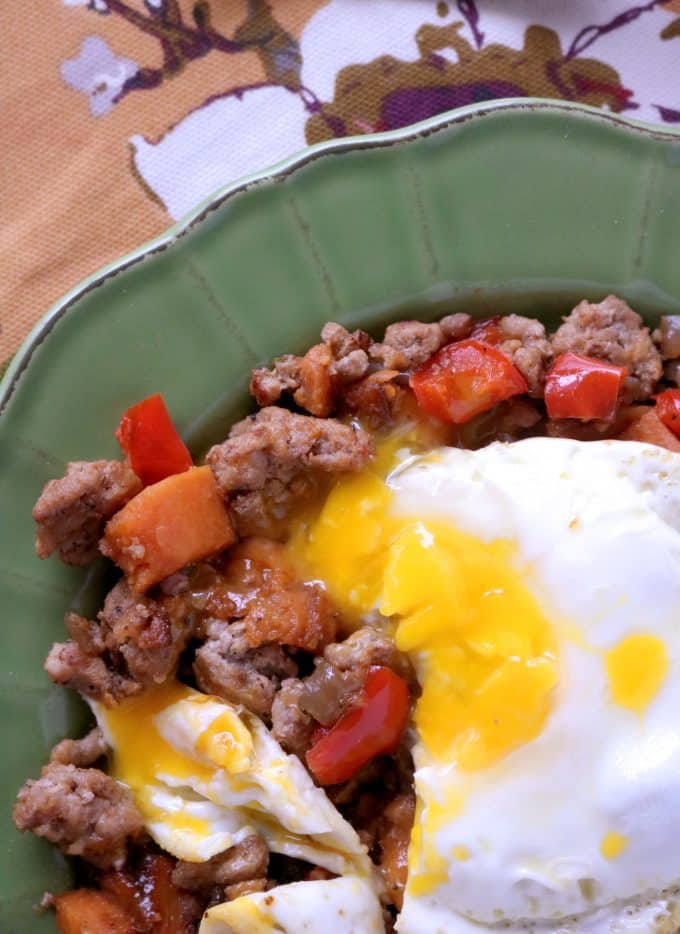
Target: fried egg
x,y
536,587
206,774
337,906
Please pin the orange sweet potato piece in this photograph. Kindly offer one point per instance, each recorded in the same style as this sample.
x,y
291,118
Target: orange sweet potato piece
x,y
86,911
151,898
173,910
168,525
121,886
645,425
316,386
394,836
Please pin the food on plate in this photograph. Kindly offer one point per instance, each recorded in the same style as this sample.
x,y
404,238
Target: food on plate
x,y
212,773
400,654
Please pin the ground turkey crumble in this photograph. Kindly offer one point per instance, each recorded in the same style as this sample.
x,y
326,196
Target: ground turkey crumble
x,y
72,511
274,459
612,331
83,812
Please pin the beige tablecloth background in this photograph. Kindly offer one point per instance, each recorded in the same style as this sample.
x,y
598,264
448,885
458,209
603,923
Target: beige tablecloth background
x,y
119,115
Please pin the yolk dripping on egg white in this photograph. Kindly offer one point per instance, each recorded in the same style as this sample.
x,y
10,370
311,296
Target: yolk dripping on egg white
x,y
637,667
485,653
427,867
613,844
141,754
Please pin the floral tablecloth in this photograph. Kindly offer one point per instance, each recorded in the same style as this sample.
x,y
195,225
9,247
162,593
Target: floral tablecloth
x,y
119,115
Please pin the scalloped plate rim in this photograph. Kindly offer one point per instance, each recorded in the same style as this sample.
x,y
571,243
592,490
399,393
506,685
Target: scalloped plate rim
x,y
21,359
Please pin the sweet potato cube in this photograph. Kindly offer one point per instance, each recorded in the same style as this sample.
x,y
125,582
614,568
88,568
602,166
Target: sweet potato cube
x,y
168,525
172,908
151,898
646,426
86,911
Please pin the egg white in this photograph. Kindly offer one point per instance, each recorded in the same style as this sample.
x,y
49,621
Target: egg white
x,y
597,528
337,906
204,808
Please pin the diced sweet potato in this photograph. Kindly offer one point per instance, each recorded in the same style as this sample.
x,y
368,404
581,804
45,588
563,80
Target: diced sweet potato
x,y
316,386
646,426
168,525
395,833
120,885
174,910
151,898
86,911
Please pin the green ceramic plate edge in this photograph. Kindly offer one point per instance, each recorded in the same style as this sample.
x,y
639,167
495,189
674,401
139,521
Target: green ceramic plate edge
x,y
279,169
582,202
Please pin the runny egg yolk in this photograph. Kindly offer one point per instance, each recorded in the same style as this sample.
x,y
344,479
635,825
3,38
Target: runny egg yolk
x,y
484,652
142,756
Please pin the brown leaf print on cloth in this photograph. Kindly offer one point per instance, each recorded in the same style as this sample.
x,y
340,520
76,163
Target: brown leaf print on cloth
x,y
146,106
388,93
182,38
672,31
279,52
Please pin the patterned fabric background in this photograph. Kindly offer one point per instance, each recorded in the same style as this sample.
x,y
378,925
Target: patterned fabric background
x,y
119,115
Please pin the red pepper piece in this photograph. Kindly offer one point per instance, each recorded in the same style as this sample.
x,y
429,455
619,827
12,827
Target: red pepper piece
x,y
151,442
466,378
488,331
580,387
668,409
371,728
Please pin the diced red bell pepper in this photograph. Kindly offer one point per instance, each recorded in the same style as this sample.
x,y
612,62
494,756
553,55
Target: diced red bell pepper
x,y
581,387
371,728
151,442
668,409
464,379
488,331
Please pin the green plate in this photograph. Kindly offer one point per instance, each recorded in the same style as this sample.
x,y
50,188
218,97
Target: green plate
x,y
524,206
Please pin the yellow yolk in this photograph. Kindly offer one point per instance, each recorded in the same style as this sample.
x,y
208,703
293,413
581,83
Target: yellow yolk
x,y
613,844
461,853
139,750
345,545
226,742
636,668
141,754
427,867
484,652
